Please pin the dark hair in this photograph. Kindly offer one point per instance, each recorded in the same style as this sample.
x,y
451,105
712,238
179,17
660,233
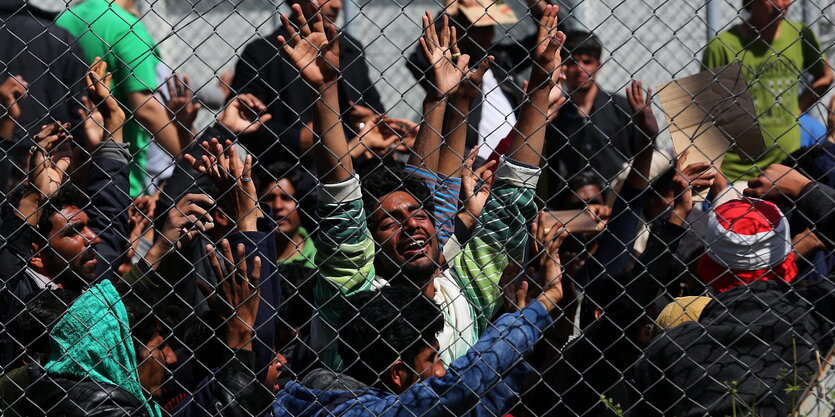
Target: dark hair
x,y
297,286
578,42
378,327
264,175
585,178
39,315
385,180
67,196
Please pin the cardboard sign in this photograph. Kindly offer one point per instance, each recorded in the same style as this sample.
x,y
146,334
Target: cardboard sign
x,y
577,221
709,112
488,12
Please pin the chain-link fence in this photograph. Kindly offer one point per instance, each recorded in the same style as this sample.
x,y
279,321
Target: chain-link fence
x,y
427,207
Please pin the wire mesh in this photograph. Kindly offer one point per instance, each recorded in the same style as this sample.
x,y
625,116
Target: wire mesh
x,y
425,207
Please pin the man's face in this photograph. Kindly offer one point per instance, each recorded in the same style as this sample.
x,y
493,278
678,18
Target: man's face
x,y
580,72
405,233
330,8
280,196
153,359
428,362
70,252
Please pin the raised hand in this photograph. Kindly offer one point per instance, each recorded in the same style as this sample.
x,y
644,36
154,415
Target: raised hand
x,y
180,102
470,88
223,166
372,140
244,114
11,92
642,109
189,217
45,174
475,188
550,239
98,90
240,293
696,176
449,66
313,48
549,41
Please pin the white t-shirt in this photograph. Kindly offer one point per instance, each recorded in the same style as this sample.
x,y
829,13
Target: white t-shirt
x,y
497,117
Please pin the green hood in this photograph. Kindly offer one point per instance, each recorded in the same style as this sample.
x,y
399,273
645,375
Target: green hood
x,y
93,341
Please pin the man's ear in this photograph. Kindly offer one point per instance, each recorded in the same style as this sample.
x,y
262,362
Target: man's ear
x,y
398,375
36,262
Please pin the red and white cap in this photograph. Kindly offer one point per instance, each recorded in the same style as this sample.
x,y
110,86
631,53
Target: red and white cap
x,y
746,240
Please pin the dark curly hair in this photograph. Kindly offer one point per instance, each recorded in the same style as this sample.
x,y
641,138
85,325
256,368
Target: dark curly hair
x,y
386,179
378,327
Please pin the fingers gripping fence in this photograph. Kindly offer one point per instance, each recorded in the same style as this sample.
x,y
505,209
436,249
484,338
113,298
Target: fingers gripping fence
x,y
456,207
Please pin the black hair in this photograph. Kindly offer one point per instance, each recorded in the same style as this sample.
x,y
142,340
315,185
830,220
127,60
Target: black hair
x,y
378,327
30,329
297,286
386,179
578,42
585,178
67,196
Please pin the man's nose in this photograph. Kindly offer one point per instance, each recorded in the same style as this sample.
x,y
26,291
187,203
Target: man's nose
x,y
92,237
170,356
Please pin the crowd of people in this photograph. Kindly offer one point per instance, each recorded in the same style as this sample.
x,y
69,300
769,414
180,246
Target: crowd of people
x,y
306,254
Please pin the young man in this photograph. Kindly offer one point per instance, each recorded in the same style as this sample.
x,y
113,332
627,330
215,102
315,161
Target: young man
x,y
593,131
774,53
55,236
389,339
281,187
109,353
107,29
399,225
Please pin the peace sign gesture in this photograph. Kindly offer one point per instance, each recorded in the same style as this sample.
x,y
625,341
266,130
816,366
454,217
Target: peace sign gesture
x,y
313,48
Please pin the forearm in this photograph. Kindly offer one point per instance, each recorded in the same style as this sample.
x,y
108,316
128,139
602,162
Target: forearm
x,y
333,161
425,154
154,118
639,174
455,142
529,133
816,90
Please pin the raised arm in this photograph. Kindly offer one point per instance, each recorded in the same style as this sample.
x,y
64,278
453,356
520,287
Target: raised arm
x,y
447,68
455,136
314,50
528,136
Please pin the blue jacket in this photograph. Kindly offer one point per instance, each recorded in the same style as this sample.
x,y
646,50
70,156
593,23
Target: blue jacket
x,y
476,384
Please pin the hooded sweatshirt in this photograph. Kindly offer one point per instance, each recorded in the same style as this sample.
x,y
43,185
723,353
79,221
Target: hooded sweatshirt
x,y
93,341
477,384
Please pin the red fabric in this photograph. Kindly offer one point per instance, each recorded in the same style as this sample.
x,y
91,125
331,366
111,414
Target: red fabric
x,y
748,216
501,149
722,279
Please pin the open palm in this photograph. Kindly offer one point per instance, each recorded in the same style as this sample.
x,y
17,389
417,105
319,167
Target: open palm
x,y
313,48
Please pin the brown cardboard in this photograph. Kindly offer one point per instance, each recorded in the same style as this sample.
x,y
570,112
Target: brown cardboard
x,y
577,221
710,112
488,13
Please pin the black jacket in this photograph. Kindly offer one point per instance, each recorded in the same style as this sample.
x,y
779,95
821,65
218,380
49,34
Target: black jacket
x,y
232,390
751,346
264,71
601,142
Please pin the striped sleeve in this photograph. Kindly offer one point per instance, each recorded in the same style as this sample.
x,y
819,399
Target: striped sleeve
x,y
499,237
445,191
345,257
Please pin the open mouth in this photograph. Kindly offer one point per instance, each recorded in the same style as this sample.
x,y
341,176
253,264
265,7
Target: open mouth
x,y
415,247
